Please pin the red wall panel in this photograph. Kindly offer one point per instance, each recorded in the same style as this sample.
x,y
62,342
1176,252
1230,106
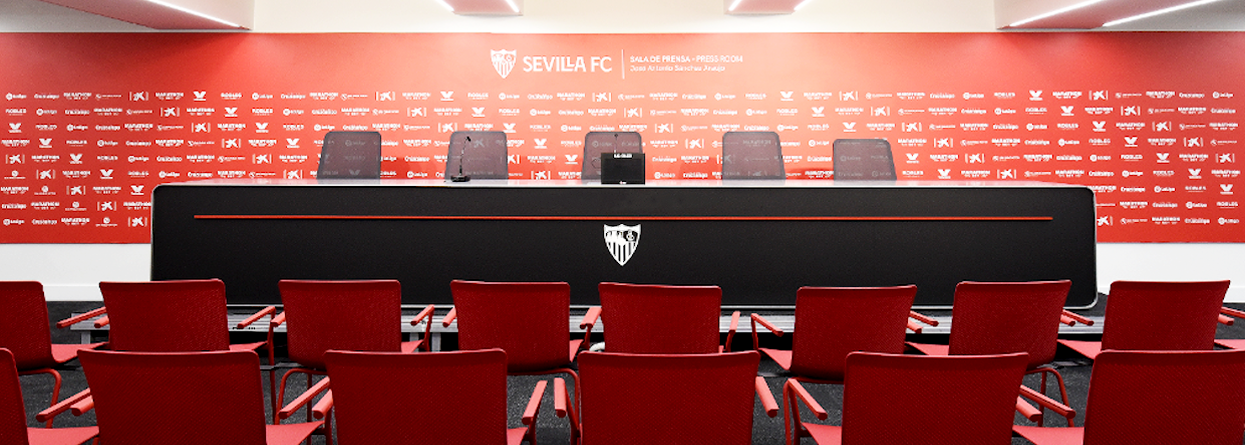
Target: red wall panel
x,y
95,121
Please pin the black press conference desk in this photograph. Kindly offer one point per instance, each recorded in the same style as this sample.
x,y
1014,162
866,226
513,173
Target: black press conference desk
x,y
758,240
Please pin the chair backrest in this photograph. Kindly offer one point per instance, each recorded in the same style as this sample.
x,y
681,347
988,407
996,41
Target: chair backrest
x,y
752,155
1001,318
831,322
863,160
12,407
1148,315
166,316
527,320
1183,396
636,398
438,397
659,319
597,142
345,315
350,155
24,331
482,155
186,398
966,399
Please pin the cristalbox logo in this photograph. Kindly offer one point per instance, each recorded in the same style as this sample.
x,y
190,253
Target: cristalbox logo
x,y
503,61
622,241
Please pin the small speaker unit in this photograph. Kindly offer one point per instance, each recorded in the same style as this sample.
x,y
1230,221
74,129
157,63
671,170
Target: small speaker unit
x,y
622,168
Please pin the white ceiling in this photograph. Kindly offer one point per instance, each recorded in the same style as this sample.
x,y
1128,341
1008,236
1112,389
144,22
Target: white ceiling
x,y
1223,15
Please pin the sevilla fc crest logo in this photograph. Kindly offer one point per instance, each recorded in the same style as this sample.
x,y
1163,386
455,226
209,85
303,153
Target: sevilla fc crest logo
x,y
621,241
503,61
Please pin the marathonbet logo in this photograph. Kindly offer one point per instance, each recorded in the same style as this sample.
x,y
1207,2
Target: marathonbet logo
x,y
503,61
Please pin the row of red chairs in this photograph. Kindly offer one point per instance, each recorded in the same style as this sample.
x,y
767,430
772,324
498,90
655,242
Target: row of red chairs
x,y
492,295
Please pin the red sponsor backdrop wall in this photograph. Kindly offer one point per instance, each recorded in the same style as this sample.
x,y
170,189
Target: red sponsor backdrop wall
x,y
93,122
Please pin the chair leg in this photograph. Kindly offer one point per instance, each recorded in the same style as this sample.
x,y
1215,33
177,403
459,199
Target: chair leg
x,y
56,385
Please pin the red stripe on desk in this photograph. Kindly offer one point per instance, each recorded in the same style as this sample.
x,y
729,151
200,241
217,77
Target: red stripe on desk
x,y
626,218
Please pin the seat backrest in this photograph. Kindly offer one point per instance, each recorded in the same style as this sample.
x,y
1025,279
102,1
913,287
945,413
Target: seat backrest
x,y
482,155
697,398
527,320
1001,318
186,398
345,315
1182,397
166,316
965,399
12,407
438,397
1148,315
752,155
350,155
659,319
598,142
863,160
24,331
831,322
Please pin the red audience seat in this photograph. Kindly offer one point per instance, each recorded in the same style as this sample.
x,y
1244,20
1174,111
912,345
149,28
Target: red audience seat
x,y
1157,397
343,315
831,322
188,398
1006,317
13,430
964,400
660,319
1152,315
670,399
24,332
434,398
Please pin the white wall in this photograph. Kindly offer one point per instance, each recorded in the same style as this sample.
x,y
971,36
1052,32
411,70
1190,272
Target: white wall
x,y
71,271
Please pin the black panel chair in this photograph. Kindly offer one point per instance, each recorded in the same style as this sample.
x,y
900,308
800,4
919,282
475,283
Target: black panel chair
x,y
752,155
350,155
477,155
863,160
598,142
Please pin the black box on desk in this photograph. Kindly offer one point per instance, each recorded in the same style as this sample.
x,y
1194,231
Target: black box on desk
x,y
622,168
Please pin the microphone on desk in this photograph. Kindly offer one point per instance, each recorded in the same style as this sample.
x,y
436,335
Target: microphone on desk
x,y
460,177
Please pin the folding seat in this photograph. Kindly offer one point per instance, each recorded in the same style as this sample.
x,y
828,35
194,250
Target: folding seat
x,y
1154,315
964,399
13,430
433,398
361,315
184,398
1157,397
1005,317
831,322
24,332
665,398
661,319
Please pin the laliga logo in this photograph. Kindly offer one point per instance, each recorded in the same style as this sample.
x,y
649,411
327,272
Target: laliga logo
x,y
503,61
622,241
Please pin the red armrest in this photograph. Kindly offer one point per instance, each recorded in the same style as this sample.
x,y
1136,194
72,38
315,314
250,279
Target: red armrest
x,y
767,397
268,311
449,318
533,404
80,318
426,313
758,319
321,410
915,327
793,388
1231,312
1078,318
63,405
922,318
102,321
560,397
1226,320
590,318
303,399
277,321
1048,403
1028,411
730,332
